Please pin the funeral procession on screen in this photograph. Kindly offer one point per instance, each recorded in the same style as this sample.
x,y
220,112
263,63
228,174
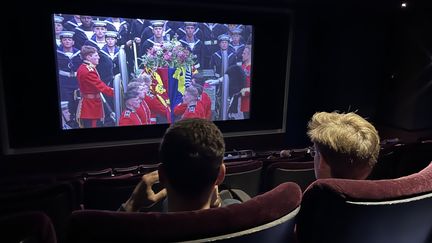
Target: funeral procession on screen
x,y
122,72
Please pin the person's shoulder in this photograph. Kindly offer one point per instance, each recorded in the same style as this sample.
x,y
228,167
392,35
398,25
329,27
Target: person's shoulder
x,y
233,196
229,201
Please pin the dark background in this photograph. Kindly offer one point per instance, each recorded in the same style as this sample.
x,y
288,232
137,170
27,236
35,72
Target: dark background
x,y
369,57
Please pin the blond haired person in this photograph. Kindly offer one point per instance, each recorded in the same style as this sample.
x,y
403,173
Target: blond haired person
x,y
345,145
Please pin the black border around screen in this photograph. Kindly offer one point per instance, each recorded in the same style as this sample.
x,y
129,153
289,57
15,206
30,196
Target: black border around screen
x,y
30,82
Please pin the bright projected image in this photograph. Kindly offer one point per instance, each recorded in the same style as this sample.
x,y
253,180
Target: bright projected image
x,y
126,72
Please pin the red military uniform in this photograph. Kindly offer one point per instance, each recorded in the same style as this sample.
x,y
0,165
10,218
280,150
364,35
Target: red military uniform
x,y
90,84
130,118
194,111
180,109
144,113
157,108
245,100
206,102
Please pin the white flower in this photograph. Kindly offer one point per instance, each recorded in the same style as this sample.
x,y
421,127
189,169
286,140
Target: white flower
x,y
167,45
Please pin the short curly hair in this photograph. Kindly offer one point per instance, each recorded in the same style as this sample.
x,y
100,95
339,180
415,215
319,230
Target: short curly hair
x,y
191,153
87,50
346,141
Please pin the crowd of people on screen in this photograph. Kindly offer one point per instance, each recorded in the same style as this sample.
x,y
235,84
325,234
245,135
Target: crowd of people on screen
x,y
88,96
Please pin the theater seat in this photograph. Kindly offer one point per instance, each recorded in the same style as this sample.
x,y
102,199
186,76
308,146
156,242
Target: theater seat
x,y
302,173
57,201
27,227
245,176
266,218
358,211
108,193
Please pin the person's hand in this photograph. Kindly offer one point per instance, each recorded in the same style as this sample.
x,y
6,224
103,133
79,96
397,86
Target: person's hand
x,y
213,81
137,40
216,200
244,90
143,195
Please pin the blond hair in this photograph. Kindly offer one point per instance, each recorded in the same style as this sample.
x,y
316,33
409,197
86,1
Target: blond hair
x,y
346,139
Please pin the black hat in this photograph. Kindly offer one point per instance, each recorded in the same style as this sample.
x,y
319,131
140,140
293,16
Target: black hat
x,y
66,34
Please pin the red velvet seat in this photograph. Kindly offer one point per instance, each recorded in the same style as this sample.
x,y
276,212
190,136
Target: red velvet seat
x,y
57,201
358,211
31,227
266,218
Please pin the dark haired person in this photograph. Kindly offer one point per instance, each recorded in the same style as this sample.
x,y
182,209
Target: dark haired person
x,y
169,29
190,41
58,28
121,27
73,22
90,108
157,39
84,31
68,61
223,58
345,145
191,155
137,28
98,40
210,33
237,44
236,79
111,50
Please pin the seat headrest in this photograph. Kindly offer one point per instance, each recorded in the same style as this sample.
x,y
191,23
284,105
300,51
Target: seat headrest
x,y
377,190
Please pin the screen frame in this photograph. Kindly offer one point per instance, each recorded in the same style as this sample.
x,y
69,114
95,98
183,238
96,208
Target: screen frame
x,y
18,140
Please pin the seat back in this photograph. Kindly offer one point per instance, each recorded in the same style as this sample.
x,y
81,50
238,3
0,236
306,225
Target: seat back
x,y
230,223
383,211
244,176
27,227
107,172
108,193
302,173
57,201
126,170
147,168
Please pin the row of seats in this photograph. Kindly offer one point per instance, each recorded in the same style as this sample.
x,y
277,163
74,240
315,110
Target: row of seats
x,y
330,210
102,190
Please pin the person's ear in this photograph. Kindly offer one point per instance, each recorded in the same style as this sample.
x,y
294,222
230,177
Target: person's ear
x,y
221,176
